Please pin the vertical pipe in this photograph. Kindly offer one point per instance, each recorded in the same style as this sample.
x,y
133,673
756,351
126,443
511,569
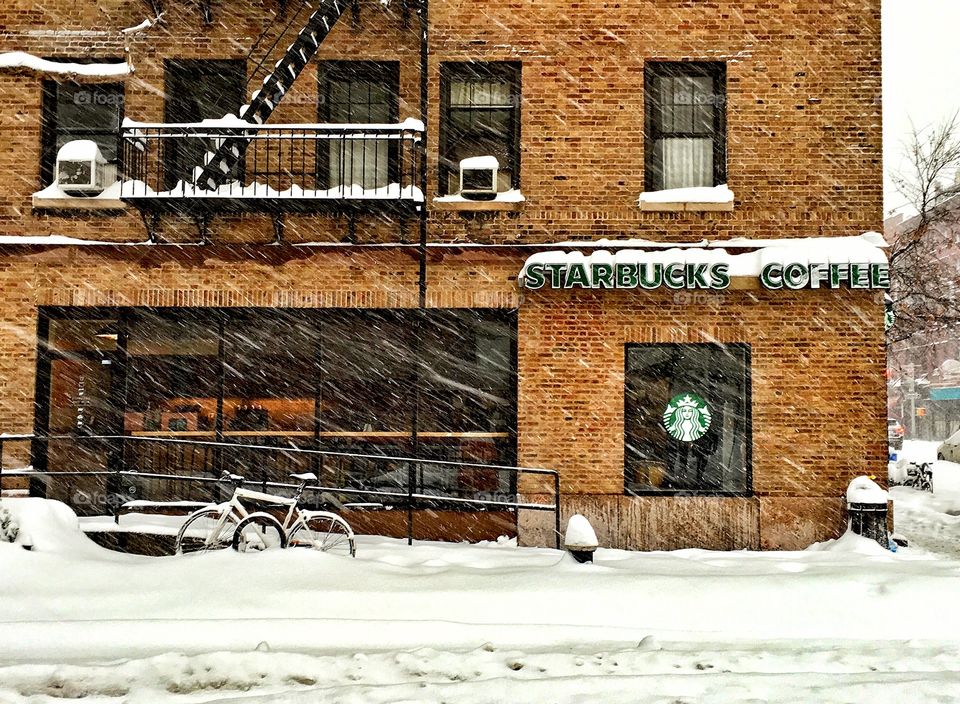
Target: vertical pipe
x,y
556,503
218,422
422,269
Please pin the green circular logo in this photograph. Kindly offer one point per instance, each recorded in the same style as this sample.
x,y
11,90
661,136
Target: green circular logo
x,y
687,417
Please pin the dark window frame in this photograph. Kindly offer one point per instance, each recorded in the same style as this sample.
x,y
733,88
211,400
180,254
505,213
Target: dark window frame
x,y
218,318
510,72
50,130
717,71
171,157
748,492
374,72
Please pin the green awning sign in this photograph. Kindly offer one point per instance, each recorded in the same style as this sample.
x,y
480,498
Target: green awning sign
x,y
699,275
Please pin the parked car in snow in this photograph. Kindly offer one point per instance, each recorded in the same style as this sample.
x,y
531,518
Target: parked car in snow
x,y
894,433
949,449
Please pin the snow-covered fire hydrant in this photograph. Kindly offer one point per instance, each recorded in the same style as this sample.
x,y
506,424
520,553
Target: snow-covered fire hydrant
x,y
867,510
580,539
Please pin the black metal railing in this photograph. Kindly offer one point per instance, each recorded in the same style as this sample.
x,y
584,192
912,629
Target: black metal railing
x,y
96,475
294,164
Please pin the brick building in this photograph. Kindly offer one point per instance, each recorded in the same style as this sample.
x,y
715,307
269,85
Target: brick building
x,y
319,280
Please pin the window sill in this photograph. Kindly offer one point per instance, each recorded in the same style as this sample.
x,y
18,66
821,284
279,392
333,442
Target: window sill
x,y
506,202
78,204
53,198
687,207
481,206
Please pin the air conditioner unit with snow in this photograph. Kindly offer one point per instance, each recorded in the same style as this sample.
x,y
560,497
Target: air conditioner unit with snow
x,y
478,177
82,170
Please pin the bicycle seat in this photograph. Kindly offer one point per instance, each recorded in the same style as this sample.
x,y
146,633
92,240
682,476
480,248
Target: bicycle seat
x,y
304,477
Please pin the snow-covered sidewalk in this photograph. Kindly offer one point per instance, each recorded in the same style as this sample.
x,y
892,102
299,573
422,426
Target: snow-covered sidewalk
x,y
847,621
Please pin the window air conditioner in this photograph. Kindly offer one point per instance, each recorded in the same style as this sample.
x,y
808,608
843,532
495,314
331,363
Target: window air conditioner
x,y
478,177
82,170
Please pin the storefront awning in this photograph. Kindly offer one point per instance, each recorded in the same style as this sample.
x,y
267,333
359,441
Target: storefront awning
x,y
948,393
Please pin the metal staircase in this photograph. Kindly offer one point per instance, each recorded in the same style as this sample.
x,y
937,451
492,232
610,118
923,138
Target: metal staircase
x,y
219,166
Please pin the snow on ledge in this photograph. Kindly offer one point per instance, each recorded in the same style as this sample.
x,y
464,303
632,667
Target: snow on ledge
x,y
20,59
59,240
512,196
234,189
54,192
702,194
229,120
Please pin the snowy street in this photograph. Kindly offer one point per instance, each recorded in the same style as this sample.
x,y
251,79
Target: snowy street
x,y
843,621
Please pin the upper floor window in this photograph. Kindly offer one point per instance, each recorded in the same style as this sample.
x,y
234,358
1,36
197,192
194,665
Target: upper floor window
x,y
196,90
359,92
685,128
74,111
480,107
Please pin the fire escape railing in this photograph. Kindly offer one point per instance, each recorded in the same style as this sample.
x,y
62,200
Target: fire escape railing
x,y
282,162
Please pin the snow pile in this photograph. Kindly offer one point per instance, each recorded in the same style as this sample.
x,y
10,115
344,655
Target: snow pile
x,y
701,194
851,543
480,162
863,490
946,480
843,621
20,59
81,150
580,534
256,189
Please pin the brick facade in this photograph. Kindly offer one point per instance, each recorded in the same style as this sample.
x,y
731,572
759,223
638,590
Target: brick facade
x,y
804,159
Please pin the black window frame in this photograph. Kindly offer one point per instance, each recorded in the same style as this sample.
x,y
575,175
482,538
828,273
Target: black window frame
x,y
748,491
172,168
387,73
509,72
717,71
124,318
50,129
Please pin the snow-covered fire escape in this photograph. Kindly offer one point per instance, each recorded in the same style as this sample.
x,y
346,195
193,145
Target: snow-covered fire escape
x,y
243,163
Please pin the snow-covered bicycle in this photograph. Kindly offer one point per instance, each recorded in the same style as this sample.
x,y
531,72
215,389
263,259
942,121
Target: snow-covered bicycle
x,y
248,522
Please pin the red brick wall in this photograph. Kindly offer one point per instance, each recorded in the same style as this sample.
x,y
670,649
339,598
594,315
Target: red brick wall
x,y
803,106
804,150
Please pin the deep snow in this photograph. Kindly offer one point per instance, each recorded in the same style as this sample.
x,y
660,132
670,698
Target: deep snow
x,y
844,621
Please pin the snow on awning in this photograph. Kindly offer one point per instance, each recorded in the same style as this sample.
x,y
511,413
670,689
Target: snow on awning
x,y
21,59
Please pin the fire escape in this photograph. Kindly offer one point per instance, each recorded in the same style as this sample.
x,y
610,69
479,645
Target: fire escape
x,y
244,164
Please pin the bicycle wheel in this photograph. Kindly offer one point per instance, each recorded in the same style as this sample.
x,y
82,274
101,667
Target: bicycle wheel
x,y
326,532
258,532
196,534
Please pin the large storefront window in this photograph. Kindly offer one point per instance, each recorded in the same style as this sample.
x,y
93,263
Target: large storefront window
x,y
200,391
687,419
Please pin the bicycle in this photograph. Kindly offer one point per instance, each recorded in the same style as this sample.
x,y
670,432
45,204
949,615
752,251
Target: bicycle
x,y
920,476
232,524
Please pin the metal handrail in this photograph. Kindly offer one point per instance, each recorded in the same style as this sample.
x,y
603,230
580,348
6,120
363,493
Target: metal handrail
x,y
410,495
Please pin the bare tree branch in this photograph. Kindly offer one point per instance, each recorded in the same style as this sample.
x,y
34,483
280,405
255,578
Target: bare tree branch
x,y
923,258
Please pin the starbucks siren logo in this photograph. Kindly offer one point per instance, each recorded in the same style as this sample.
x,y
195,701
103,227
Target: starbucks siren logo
x,y
687,417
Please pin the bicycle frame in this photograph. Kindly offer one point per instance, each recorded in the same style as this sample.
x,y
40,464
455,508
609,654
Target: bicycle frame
x,y
234,508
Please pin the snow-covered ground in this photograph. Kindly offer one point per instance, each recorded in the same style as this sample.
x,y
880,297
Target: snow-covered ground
x,y
845,621
931,522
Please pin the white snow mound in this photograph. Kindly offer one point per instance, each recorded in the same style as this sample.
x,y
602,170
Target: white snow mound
x,y
580,534
863,490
